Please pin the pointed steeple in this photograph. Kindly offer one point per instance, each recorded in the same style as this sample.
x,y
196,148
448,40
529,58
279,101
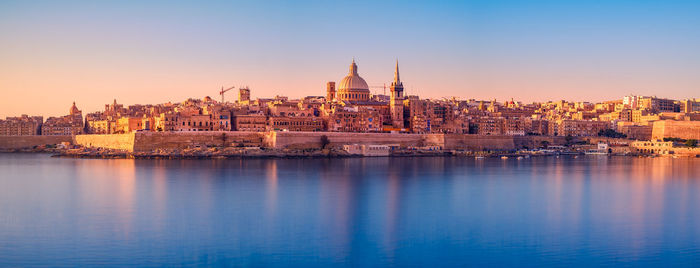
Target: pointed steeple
x,y
397,79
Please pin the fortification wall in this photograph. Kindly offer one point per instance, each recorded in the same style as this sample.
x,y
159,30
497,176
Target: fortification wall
x,y
676,129
478,142
110,141
150,141
28,142
532,142
313,139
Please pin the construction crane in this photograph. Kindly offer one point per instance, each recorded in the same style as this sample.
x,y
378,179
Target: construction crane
x,y
224,91
383,86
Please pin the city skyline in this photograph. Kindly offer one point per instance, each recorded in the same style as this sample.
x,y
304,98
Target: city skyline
x,y
58,53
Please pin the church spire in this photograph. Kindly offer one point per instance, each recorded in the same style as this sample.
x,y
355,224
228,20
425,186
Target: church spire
x,y
397,79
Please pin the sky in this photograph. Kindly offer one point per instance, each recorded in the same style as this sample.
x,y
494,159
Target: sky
x,y
55,52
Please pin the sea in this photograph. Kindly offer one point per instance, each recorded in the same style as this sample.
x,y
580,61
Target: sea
x,y
350,212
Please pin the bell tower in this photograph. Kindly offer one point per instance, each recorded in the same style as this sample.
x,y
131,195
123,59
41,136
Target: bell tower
x,y
330,91
396,101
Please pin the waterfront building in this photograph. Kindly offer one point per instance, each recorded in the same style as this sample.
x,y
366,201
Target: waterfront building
x,y
166,122
295,123
536,126
194,122
514,126
21,125
126,124
580,127
486,125
367,150
250,122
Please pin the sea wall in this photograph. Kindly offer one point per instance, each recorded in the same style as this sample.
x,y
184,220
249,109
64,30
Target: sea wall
x,y
150,141
478,142
532,142
110,141
676,129
27,142
285,139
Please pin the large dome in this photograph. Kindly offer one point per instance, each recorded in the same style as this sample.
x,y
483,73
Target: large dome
x,y
353,87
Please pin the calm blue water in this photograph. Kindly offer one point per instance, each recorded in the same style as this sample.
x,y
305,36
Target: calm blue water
x,y
349,212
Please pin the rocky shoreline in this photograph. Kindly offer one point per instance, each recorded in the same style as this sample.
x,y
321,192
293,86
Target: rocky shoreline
x,y
214,153
227,153
257,152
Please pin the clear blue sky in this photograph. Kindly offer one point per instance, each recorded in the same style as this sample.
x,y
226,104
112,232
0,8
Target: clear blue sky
x,y
55,52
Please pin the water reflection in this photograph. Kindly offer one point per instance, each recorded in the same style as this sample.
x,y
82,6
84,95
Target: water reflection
x,y
354,212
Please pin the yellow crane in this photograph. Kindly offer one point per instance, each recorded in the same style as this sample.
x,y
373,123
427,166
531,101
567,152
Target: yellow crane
x,y
224,91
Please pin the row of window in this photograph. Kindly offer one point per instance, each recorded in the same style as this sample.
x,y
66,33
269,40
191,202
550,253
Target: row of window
x,y
353,96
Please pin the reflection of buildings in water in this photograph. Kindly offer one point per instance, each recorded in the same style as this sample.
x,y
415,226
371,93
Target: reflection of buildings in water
x,y
108,185
345,199
160,193
661,166
393,210
271,187
336,203
643,197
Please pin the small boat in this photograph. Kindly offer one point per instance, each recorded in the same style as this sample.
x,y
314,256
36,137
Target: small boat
x,y
519,157
479,157
504,157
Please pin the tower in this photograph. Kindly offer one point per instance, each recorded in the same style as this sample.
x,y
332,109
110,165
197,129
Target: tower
x,y
243,95
330,91
396,101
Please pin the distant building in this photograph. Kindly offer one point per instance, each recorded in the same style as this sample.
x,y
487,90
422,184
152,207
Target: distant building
x,y
71,124
330,91
298,123
690,106
657,105
243,95
349,119
250,122
21,126
580,127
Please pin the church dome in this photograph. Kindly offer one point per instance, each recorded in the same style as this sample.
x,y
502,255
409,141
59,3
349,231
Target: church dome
x,y
74,109
353,87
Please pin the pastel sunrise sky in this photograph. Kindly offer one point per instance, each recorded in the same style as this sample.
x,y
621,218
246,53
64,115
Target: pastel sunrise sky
x,y
55,52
